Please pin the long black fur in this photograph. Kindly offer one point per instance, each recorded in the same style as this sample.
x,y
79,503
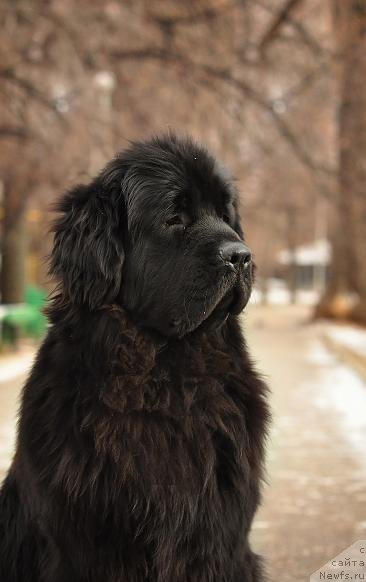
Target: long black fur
x,y
142,424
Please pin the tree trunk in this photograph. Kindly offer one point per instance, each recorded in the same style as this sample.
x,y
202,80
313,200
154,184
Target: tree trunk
x,y
348,268
291,272
13,252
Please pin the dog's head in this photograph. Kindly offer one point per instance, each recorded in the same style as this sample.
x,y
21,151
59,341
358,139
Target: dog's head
x,y
157,232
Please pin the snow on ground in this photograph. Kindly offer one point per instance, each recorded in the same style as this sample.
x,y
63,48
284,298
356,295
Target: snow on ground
x,y
278,294
12,366
7,443
341,391
349,336
282,297
13,370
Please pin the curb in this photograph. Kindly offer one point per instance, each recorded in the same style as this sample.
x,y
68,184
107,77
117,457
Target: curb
x,y
347,355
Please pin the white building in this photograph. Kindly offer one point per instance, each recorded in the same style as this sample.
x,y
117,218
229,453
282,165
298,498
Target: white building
x,y
311,262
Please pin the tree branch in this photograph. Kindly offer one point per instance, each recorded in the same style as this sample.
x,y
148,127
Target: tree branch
x,y
205,15
224,75
30,90
307,81
7,131
302,32
278,21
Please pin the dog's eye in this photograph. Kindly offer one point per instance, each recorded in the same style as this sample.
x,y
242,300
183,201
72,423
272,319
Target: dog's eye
x,y
176,220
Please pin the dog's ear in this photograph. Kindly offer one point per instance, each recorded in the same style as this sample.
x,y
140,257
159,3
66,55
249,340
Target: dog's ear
x,y
88,252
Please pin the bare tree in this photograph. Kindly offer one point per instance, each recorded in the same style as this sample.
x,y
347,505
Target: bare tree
x,y
252,79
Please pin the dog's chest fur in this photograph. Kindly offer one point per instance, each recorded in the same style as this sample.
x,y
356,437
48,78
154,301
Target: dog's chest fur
x,y
163,449
183,422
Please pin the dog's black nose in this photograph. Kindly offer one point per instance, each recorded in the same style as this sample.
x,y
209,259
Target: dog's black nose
x,y
235,254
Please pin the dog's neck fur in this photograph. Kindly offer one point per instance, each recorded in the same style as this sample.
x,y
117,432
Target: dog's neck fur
x,y
133,368
111,327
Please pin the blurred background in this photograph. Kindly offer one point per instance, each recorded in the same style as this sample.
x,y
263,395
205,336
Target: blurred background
x,y
277,90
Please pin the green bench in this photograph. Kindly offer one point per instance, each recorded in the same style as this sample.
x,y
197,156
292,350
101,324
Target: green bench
x,y
25,319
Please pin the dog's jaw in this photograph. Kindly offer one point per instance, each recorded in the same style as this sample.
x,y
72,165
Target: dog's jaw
x,y
230,303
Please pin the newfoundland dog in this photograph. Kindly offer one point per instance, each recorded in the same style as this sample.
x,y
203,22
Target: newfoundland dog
x,y
142,424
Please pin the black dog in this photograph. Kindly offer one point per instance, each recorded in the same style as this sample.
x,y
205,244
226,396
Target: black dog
x,y
141,432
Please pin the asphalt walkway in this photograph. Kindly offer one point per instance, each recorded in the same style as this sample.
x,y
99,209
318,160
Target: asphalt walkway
x,y
315,502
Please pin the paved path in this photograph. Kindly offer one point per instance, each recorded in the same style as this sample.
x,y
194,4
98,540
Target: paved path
x,y
315,501
13,372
